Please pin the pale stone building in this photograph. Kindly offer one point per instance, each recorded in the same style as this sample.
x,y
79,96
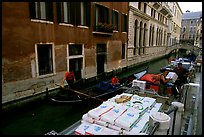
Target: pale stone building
x,y
198,35
191,24
152,27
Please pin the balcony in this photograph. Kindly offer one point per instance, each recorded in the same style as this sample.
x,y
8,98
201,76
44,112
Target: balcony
x,y
104,29
156,5
163,9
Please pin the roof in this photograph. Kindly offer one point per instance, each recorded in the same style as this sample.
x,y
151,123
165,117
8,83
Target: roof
x,y
192,15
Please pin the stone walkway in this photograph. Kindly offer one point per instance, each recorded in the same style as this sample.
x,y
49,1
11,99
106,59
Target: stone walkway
x,y
192,120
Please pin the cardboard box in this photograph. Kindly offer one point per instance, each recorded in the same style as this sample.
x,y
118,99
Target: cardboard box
x,y
172,75
139,83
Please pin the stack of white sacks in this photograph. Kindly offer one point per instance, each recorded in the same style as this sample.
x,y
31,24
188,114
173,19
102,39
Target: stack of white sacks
x,y
110,118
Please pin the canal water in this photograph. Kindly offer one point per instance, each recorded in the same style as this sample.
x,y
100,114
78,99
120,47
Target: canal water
x,y
41,117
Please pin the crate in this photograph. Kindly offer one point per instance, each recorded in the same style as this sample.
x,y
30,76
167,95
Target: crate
x,y
139,83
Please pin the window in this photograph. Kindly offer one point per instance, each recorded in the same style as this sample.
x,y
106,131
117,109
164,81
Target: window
x,y
184,29
145,7
191,29
124,23
75,13
45,59
75,49
115,19
41,10
139,5
135,36
150,32
191,21
123,51
152,12
101,14
65,12
83,13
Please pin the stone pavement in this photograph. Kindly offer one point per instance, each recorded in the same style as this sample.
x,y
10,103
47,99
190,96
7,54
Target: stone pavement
x,y
192,120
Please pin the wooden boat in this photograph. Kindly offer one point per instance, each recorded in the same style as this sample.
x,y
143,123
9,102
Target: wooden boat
x,y
152,82
98,92
185,63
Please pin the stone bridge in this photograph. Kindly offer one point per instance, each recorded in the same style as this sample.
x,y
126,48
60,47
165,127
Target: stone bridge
x,y
169,49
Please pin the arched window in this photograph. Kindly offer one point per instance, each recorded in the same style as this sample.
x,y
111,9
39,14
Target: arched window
x,y
150,35
144,42
135,36
140,36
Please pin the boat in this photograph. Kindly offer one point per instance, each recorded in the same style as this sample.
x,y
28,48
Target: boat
x,y
100,92
150,83
186,63
87,119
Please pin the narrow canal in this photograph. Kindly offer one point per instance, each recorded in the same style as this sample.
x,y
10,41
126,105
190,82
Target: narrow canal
x,y
42,117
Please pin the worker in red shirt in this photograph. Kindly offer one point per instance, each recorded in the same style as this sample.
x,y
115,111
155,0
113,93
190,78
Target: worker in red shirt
x,y
70,78
115,81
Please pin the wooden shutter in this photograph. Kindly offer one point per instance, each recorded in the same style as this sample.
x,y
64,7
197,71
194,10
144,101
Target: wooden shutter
x,y
78,13
59,12
72,13
88,13
32,10
50,11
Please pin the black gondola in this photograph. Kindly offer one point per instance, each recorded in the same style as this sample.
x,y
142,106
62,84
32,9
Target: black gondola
x,y
100,92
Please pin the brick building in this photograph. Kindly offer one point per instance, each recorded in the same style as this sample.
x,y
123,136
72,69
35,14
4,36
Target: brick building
x,y
42,40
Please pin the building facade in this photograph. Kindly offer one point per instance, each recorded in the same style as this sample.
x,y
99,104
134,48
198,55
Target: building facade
x,y
198,35
42,40
190,25
152,27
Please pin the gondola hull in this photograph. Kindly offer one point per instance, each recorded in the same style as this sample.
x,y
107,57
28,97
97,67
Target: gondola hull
x,y
96,93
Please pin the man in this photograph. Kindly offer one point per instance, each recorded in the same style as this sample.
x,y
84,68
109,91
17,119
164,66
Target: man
x,y
182,76
70,78
115,81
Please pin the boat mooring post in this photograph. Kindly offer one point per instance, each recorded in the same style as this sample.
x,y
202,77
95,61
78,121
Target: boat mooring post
x,y
47,94
178,119
163,120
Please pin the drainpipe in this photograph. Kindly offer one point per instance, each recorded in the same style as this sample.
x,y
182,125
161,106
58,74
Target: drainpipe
x,y
180,111
160,122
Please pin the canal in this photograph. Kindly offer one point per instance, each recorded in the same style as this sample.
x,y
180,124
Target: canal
x,y
41,117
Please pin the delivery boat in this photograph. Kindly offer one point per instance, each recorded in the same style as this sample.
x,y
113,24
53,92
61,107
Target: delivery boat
x,y
151,82
123,114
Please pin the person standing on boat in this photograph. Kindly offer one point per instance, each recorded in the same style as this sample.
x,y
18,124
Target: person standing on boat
x,y
70,78
163,83
115,81
182,76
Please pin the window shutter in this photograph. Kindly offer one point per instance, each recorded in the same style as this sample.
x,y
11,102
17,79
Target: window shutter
x,y
78,16
72,13
88,14
59,12
50,11
32,10
119,16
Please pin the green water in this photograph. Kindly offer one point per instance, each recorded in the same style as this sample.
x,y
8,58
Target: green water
x,y
42,117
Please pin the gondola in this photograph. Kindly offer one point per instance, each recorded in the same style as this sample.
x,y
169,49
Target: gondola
x,y
98,92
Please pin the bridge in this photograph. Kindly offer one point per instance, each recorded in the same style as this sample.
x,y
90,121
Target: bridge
x,y
169,49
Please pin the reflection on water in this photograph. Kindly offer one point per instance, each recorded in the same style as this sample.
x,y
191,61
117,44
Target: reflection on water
x,y
42,117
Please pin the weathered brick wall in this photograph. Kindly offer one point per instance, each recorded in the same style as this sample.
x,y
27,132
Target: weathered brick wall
x,y
60,57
